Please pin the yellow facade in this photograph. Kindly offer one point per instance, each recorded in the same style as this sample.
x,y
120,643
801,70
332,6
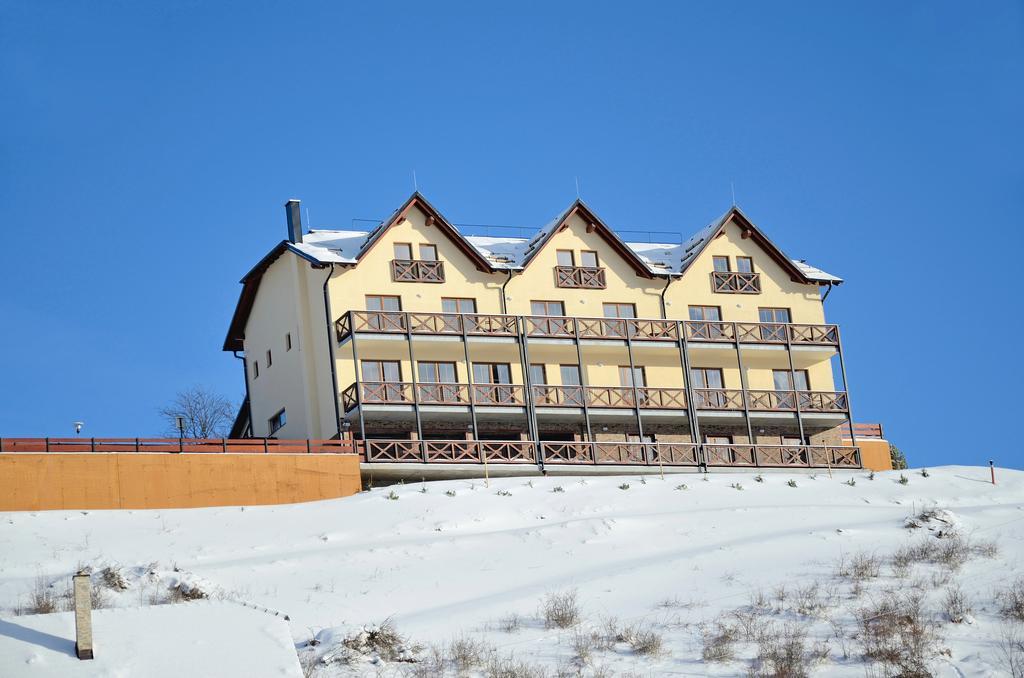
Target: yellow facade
x,y
290,299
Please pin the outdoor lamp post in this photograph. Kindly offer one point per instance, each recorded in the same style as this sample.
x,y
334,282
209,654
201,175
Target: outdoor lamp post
x,y
78,427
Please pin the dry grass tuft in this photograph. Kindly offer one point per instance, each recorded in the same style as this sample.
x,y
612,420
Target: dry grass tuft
x,y
560,610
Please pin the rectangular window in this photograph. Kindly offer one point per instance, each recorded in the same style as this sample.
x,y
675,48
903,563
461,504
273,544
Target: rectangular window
x,y
721,263
791,381
288,341
773,315
381,302
570,375
588,259
270,359
403,250
565,258
538,373
707,377
635,377
792,440
255,369
428,252
618,310
458,305
706,313
382,370
492,373
436,372
718,440
745,264
277,421
547,308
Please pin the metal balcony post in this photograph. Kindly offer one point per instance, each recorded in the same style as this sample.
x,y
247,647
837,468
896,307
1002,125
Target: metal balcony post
x,y
583,377
796,393
415,385
469,378
691,398
531,406
846,391
358,371
743,385
632,380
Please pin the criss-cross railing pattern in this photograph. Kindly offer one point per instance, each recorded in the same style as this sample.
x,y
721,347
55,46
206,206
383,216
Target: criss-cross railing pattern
x,y
771,400
730,455
417,270
718,399
497,394
587,277
736,282
661,398
442,394
550,326
565,396
710,330
566,327
823,401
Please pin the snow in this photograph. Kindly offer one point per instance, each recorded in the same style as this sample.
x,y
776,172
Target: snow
x,y
443,559
165,641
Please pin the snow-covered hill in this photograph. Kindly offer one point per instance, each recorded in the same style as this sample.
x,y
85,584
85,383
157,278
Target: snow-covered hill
x,y
728,572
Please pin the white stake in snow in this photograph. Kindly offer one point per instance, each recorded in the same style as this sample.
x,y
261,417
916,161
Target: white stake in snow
x,y
83,615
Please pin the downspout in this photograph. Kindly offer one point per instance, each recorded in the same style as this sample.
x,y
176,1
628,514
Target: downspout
x,y
661,297
248,398
330,348
504,308
827,292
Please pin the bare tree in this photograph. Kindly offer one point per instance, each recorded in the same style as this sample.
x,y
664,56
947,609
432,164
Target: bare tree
x,y
207,414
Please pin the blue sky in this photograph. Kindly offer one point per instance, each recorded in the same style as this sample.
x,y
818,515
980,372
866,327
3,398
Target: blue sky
x,y
147,150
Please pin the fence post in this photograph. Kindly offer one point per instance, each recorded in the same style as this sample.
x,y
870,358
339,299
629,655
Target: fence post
x,y
92,444
136,445
47,444
265,450
224,445
308,447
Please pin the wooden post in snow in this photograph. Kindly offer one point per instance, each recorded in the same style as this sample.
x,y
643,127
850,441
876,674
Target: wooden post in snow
x,y
82,585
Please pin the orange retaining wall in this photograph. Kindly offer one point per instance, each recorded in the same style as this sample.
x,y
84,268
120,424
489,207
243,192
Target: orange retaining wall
x,y
39,482
874,453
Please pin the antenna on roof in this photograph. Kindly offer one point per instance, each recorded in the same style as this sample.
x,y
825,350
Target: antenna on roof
x,y
577,188
732,187
415,186
309,223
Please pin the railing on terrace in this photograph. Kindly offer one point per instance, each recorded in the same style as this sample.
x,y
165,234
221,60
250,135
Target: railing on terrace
x,y
179,445
547,395
468,451
611,453
417,270
736,282
587,277
567,327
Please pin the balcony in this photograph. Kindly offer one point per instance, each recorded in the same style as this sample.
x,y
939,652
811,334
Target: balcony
x,y
585,277
417,270
567,327
609,453
401,393
735,282
610,397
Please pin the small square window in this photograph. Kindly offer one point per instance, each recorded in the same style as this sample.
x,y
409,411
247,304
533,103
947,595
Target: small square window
x,y
277,422
428,252
565,258
588,259
403,251
721,264
745,264
288,341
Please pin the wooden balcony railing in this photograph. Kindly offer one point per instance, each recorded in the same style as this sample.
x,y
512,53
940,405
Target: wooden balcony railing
x,y
624,453
510,395
718,399
566,327
451,451
735,282
587,277
817,456
548,395
417,270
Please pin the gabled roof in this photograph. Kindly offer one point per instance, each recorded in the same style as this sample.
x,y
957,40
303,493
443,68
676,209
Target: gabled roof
x,y
595,225
325,247
693,247
434,218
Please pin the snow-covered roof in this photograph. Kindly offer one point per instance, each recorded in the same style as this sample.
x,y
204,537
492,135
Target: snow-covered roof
x,y
509,253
